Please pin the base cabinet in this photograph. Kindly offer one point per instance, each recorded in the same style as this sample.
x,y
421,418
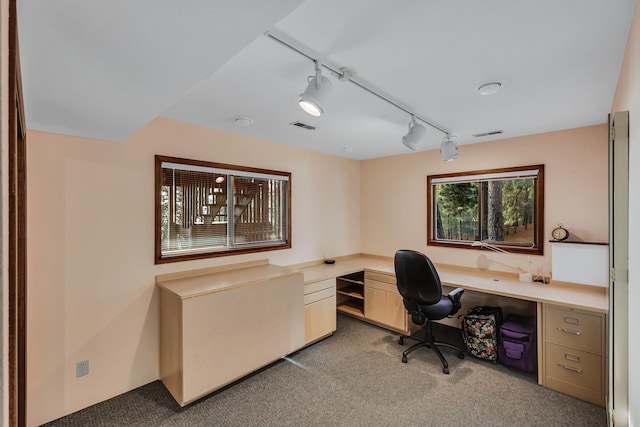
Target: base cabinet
x,y
319,310
383,304
216,329
374,297
575,353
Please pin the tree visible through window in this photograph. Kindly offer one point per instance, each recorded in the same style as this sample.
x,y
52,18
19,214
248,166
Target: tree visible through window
x,y
208,209
502,207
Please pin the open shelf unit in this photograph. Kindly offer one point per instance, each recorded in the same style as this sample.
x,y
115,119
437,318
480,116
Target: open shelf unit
x,y
350,294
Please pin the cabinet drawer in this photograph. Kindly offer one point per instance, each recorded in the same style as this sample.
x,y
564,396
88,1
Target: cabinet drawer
x,y
385,308
574,366
381,286
387,278
595,397
318,286
319,295
574,328
319,319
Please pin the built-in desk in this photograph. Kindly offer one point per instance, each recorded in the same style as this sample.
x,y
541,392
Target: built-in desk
x,y
563,294
571,318
222,323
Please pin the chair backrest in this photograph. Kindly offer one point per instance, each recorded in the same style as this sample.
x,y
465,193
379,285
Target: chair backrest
x,y
417,278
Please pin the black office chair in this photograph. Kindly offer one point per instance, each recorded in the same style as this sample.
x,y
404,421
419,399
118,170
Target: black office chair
x,y
419,284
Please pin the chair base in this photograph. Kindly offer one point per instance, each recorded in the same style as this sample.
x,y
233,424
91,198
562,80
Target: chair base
x,y
429,341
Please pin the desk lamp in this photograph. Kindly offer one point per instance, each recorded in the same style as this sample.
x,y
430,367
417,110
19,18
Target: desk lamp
x,y
524,277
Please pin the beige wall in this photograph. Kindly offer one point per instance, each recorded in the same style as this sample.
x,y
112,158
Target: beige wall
x,y
394,201
90,247
628,98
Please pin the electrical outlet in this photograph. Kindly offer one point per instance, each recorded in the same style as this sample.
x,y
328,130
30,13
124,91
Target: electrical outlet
x,y
82,368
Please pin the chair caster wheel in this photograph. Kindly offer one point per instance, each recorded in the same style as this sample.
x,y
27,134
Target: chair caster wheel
x,y
445,370
404,359
461,355
401,341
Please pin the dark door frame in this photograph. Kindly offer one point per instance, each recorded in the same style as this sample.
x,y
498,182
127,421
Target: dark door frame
x,y
17,231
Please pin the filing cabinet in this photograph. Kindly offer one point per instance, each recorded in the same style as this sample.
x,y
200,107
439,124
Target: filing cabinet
x,y
574,355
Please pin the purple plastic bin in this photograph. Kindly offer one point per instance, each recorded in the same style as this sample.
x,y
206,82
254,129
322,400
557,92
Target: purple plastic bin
x,y
517,347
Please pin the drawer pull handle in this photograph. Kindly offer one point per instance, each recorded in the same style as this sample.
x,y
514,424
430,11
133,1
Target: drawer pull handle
x,y
570,331
570,368
572,320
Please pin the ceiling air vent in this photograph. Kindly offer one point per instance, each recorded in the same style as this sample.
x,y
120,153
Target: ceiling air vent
x,y
491,132
303,125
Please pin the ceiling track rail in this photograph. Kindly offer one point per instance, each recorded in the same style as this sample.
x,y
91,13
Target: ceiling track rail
x,y
344,74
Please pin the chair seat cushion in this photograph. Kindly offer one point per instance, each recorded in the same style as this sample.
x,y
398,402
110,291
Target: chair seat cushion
x,y
439,310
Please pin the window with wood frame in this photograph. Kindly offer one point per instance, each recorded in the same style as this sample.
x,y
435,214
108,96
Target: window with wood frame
x,y
501,207
206,209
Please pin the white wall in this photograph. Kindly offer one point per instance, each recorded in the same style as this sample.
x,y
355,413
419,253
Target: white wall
x,y
628,98
90,247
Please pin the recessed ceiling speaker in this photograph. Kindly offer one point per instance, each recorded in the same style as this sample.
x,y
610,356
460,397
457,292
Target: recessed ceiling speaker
x,y
489,88
243,121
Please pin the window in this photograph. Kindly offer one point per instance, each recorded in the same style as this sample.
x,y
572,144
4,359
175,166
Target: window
x,y
208,209
502,207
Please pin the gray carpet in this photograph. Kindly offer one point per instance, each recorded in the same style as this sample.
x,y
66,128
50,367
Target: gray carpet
x,y
356,378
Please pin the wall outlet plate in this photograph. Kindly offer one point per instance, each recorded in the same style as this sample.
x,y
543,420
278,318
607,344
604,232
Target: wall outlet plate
x,y
82,368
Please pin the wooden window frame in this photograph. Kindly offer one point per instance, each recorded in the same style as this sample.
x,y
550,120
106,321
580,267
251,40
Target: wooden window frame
x,y
217,251
538,233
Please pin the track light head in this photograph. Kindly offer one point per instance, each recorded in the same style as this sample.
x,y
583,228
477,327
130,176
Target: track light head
x,y
312,99
448,148
413,138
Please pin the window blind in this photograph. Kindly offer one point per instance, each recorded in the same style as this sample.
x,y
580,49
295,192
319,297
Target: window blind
x,y
218,209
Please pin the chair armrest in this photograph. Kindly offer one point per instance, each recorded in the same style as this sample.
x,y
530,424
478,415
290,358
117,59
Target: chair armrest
x,y
455,295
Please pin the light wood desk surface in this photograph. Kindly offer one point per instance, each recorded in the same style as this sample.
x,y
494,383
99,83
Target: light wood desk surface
x,y
563,294
216,281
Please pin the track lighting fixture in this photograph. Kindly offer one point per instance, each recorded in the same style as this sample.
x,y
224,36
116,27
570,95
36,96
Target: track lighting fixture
x,y
312,99
414,136
448,148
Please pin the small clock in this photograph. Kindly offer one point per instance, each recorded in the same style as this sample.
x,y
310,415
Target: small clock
x,y
559,233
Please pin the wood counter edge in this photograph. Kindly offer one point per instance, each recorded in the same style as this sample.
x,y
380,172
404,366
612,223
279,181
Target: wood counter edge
x,y
208,270
169,285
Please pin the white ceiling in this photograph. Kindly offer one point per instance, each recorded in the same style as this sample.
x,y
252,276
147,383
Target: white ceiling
x,y
103,69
